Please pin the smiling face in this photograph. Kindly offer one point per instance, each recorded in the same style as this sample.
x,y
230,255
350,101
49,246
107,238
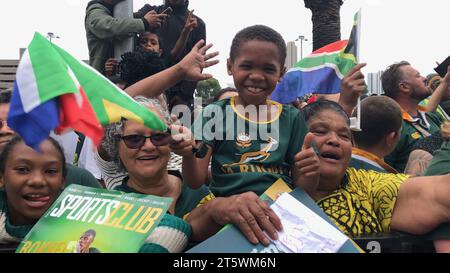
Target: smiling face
x,y
146,162
32,181
256,70
333,139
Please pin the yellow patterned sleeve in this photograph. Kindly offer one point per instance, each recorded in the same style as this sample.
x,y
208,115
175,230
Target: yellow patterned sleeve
x,y
384,192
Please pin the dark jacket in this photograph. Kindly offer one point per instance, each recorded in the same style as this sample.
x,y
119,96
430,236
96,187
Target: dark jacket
x,y
103,30
170,32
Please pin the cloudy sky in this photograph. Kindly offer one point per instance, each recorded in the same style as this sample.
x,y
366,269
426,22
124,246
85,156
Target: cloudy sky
x,y
392,30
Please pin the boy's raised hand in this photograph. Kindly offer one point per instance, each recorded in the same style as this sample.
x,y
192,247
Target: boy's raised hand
x,y
307,164
182,140
193,64
352,87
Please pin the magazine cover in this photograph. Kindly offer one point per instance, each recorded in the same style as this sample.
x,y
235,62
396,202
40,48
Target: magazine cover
x,y
92,220
231,240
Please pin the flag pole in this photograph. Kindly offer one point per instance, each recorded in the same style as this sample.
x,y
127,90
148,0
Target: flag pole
x,y
355,122
123,9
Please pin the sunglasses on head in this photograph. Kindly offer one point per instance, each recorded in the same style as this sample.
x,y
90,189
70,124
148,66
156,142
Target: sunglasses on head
x,y
137,141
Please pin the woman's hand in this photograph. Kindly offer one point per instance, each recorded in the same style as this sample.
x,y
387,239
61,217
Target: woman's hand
x,y
192,65
307,166
250,214
352,87
182,140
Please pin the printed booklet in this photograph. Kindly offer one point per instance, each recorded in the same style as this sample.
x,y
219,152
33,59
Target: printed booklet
x,y
93,220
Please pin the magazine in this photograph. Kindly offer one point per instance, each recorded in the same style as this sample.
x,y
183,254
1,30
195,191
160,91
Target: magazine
x,y
93,220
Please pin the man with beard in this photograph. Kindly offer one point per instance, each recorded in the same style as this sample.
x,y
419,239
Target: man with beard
x,y
171,29
407,87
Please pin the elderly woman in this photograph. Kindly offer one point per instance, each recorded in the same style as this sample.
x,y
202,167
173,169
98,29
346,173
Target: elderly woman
x,y
364,202
142,155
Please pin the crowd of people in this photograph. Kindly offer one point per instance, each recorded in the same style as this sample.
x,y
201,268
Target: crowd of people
x,y
392,175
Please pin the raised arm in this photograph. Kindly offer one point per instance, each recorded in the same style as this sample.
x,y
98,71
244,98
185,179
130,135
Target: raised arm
x,y
195,170
442,91
422,204
189,68
191,23
104,26
352,86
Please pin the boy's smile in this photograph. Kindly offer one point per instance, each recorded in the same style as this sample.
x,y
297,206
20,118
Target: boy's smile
x,y
256,71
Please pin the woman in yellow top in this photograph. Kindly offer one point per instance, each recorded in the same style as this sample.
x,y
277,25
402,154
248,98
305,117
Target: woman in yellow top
x,y
363,202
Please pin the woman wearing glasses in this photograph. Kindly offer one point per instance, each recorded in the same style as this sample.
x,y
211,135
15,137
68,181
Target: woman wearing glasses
x,y
143,155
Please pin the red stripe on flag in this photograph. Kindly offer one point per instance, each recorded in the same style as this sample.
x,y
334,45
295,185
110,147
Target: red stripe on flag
x,y
79,116
338,45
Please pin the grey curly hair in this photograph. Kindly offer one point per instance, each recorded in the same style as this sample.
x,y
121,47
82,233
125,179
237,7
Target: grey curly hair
x,y
110,142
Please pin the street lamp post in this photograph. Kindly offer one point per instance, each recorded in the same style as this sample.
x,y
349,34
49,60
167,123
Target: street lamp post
x,y
301,38
51,35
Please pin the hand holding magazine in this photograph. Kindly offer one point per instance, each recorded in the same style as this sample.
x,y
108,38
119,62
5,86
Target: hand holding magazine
x,y
92,220
231,240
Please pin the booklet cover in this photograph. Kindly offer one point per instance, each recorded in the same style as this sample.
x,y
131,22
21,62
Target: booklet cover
x,y
231,240
93,220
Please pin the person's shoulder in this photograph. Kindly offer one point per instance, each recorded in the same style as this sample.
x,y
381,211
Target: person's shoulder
x,y
360,164
80,176
218,104
93,5
291,113
291,110
434,116
372,176
200,20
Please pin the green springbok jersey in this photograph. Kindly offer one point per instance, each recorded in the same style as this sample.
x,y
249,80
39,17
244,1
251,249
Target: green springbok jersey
x,y
248,155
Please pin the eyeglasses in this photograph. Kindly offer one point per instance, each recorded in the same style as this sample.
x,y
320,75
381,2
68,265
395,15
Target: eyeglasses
x,y
137,141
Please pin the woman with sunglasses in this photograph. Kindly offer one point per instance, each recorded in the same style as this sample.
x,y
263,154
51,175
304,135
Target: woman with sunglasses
x,y
143,155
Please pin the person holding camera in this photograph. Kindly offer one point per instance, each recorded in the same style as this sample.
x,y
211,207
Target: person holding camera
x,y
103,29
181,21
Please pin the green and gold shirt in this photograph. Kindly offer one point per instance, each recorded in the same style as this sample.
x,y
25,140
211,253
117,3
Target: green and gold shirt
x,y
248,155
409,135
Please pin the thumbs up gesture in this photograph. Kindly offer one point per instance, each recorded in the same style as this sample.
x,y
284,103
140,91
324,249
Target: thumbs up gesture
x,y
306,171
